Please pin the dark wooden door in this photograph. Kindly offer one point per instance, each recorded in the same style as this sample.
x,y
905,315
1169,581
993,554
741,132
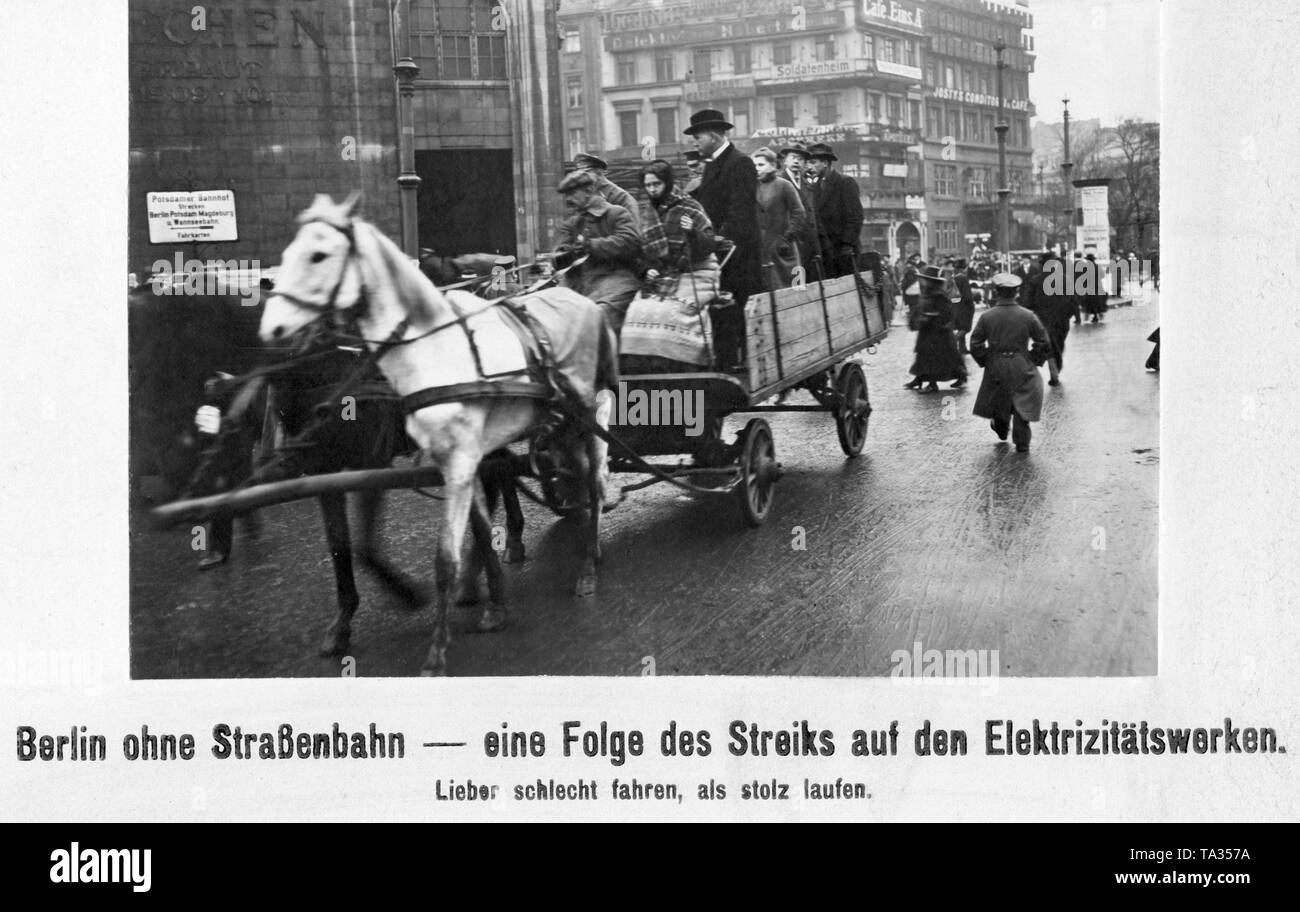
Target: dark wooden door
x,y
466,201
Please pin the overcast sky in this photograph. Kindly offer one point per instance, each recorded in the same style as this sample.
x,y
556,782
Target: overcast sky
x,y
1103,54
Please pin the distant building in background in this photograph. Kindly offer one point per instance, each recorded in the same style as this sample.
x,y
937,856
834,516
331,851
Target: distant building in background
x,y
883,81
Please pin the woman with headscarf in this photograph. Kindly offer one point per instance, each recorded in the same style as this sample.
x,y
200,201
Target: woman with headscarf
x,y
781,218
667,326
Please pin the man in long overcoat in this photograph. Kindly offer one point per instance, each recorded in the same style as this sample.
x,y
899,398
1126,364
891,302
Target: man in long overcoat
x,y
729,194
963,309
839,212
1010,343
612,192
795,158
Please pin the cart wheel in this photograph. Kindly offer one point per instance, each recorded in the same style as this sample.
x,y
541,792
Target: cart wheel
x,y
759,471
854,409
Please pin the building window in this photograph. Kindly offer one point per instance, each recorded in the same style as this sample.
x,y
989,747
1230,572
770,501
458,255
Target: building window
x,y
914,110
455,39
1016,178
934,122
664,70
984,82
828,107
977,188
577,141
573,91
929,72
949,77
965,79
869,46
781,53
628,133
945,177
889,50
972,127
666,120
742,59
703,68
909,52
625,69
740,117
954,125
986,129
572,43
873,106
824,47
895,109
783,110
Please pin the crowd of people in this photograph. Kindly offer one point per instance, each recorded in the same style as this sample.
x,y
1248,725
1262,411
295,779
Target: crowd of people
x,y
741,225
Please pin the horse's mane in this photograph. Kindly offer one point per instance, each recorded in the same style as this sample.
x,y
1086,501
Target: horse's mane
x,y
422,300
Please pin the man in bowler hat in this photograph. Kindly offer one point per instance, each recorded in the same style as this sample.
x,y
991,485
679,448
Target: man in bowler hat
x,y
839,212
728,191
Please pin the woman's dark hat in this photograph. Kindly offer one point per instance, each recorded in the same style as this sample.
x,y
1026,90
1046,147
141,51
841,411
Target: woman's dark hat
x,y
708,119
821,150
933,273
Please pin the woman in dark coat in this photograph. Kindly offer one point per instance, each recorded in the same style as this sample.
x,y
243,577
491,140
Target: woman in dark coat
x,y
937,356
1011,390
781,219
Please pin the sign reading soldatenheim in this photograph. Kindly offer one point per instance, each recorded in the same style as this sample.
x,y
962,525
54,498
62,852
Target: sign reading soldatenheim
x,y
177,216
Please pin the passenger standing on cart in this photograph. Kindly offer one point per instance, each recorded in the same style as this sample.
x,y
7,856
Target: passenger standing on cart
x,y
781,219
795,158
839,213
729,194
607,235
937,357
667,325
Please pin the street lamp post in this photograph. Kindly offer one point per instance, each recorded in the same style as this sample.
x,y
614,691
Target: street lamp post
x,y
1004,210
408,181
1066,167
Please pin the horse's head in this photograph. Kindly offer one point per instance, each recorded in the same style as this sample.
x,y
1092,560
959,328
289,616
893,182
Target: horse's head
x,y
319,271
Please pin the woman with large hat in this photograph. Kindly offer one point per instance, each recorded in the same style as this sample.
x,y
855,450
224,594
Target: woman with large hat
x,y
937,355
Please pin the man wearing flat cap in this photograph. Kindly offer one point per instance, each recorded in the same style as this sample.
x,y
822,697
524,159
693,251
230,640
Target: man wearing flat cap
x,y
839,212
1010,344
607,236
729,194
612,192
795,159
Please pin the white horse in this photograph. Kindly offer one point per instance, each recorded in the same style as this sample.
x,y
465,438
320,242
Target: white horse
x,y
427,343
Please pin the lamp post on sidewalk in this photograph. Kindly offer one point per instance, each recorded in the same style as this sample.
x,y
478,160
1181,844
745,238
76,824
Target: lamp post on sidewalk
x,y
408,181
1066,167
1004,210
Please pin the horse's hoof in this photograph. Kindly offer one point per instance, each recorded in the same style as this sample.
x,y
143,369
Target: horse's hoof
x,y
433,672
435,664
492,620
586,587
514,554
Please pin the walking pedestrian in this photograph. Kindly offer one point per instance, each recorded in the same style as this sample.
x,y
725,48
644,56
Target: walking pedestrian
x,y
1095,290
1049,298
1010,343
608,236
729,194
963,309
839,212
911,285
781,220
937,357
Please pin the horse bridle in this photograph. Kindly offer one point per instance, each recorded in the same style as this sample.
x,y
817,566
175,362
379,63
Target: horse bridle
x,y
348,257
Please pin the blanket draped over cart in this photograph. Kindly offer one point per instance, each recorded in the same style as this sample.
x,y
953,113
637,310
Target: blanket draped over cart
x,y
673,322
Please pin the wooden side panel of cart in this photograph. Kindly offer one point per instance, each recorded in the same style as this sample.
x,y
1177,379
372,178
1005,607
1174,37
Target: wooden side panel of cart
x,y
791,335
